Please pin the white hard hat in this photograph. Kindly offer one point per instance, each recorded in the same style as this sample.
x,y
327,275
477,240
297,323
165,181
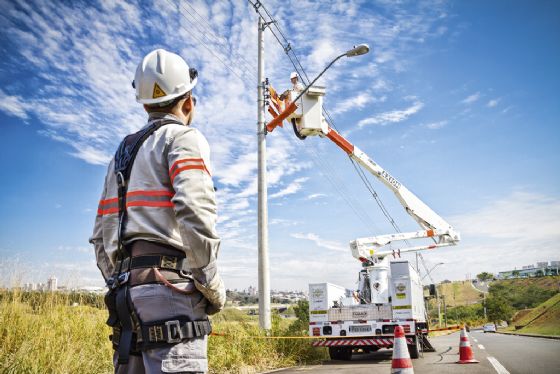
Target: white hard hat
x,y
294,75
162,76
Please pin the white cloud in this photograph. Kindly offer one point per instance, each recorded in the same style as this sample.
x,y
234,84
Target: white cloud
x,y
322,243
13,105
75,249
436,125
393,116
282,222
82,58
290,189
356,102
493,103
316,196
471,99
519,229
520,216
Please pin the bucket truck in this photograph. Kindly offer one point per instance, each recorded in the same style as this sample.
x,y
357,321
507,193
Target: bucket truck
x,y
390,290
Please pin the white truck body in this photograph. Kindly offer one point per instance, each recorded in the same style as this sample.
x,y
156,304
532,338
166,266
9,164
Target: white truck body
x,y
407,292
369,326
321,297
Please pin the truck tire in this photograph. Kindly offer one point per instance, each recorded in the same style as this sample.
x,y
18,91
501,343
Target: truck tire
x,y
340,353
413,348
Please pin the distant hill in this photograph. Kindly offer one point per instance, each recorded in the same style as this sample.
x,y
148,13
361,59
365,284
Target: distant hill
x,y
548,282
527,292
459,293
464,301
544,319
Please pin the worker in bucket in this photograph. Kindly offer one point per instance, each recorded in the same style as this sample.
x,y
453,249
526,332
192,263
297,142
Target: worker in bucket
x,y
297,87
154,236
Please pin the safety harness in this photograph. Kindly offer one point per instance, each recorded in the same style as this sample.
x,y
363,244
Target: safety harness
x,y
130,334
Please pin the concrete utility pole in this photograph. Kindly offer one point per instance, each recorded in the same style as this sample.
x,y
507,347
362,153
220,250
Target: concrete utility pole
x,y
264,271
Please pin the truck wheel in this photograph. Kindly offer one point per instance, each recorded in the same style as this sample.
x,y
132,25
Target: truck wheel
x,y
413,348
340,353
334,353
346,354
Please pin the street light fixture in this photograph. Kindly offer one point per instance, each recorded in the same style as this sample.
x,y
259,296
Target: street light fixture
x,y
432,269
357,50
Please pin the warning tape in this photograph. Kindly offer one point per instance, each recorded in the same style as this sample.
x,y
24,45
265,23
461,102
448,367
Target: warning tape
x,y
457,327
449,328
278,337
291,337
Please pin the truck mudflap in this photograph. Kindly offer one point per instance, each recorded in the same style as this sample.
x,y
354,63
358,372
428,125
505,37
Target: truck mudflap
x,y
362,342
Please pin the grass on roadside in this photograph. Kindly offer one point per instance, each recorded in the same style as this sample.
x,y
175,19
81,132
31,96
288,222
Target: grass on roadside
x,y
44,333
543,320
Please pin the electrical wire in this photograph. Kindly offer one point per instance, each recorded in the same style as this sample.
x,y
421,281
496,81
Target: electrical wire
x,y
329,173
222,39
287,47
204,44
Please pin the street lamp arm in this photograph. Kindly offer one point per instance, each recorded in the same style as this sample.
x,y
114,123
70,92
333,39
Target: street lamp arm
x,y
318,76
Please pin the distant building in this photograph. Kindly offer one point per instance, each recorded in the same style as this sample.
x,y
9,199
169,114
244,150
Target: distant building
x,y
528,271
52,284
29,287
252,291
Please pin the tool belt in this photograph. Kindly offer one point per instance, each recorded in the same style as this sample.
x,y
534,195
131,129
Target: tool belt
x,y
145,256
162,333
130,334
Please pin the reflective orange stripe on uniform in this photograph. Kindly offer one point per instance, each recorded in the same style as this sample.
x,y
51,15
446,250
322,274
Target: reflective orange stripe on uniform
x,y
193,164
155,199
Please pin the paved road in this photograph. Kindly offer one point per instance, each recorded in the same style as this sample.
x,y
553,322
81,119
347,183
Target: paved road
x,y
515,354
481,286
520,354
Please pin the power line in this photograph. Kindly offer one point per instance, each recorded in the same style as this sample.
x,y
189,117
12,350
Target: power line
x,y
208,29
375,195
204,44
289,48
336,182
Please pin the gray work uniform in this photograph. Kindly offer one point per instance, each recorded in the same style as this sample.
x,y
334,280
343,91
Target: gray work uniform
x,y
171,202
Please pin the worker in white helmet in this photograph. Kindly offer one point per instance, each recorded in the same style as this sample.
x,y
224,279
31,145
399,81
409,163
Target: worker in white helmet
x,y
297,87
155,238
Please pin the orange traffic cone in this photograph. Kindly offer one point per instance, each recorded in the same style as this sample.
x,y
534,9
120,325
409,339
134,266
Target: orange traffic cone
x,y
401,364
466,355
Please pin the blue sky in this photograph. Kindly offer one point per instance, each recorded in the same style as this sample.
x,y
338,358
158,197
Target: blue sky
x,y
458,100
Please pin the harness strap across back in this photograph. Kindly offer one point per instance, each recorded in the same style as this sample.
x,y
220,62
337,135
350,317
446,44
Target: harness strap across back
x,y
120,308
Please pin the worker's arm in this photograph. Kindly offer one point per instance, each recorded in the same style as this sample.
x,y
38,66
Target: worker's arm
x,y
195,208
103,262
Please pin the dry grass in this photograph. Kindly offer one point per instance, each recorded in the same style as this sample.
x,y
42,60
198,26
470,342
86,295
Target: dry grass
x,y
44,333
543,320
459,293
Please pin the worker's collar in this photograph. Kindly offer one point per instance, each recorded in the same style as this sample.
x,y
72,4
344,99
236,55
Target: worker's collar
x,y
160,115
